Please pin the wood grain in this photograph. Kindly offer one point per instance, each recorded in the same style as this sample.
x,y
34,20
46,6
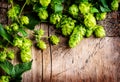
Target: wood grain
x,y
36,73
92,60
46,56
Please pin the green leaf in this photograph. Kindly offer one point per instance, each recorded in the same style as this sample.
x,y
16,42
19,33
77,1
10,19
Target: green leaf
x,y
17,70
104,9
23,32
21,68
7,67
104,3
17,79
36,7
94,10
57,1
58,8
33,21
5,35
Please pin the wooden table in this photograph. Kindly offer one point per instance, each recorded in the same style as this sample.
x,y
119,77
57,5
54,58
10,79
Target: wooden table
x,y
93,60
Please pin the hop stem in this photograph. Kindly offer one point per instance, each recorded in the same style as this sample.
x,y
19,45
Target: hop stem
x,y
22,8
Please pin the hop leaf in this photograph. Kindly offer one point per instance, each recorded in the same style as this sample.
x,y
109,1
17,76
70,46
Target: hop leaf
x,y
56,6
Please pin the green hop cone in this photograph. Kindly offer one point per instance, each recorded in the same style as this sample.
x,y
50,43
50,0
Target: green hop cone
x,y
82,30
4,78
43,14
99,32
88,33
77,35
54,39
67,25
26,43
101,16
55,18
3,56
73,10
84,7
58,25
8,29
89,21
115,5
14,26
18,41
75,39
26,55
11,55
24,20
38,34
44,3
67,30
13,12
41,44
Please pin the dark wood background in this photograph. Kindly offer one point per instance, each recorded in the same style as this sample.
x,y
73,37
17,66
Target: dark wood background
x,y
93,60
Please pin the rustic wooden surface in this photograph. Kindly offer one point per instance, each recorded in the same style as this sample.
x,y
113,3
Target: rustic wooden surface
x,y
93,60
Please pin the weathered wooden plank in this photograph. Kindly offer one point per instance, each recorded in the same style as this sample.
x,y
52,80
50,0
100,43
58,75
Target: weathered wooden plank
x,y
3,16
93,60
111,24
88,60
35,74
46,56
3,4
3,12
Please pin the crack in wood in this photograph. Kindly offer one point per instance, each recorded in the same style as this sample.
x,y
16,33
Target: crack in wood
x,y
42,66
50,54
